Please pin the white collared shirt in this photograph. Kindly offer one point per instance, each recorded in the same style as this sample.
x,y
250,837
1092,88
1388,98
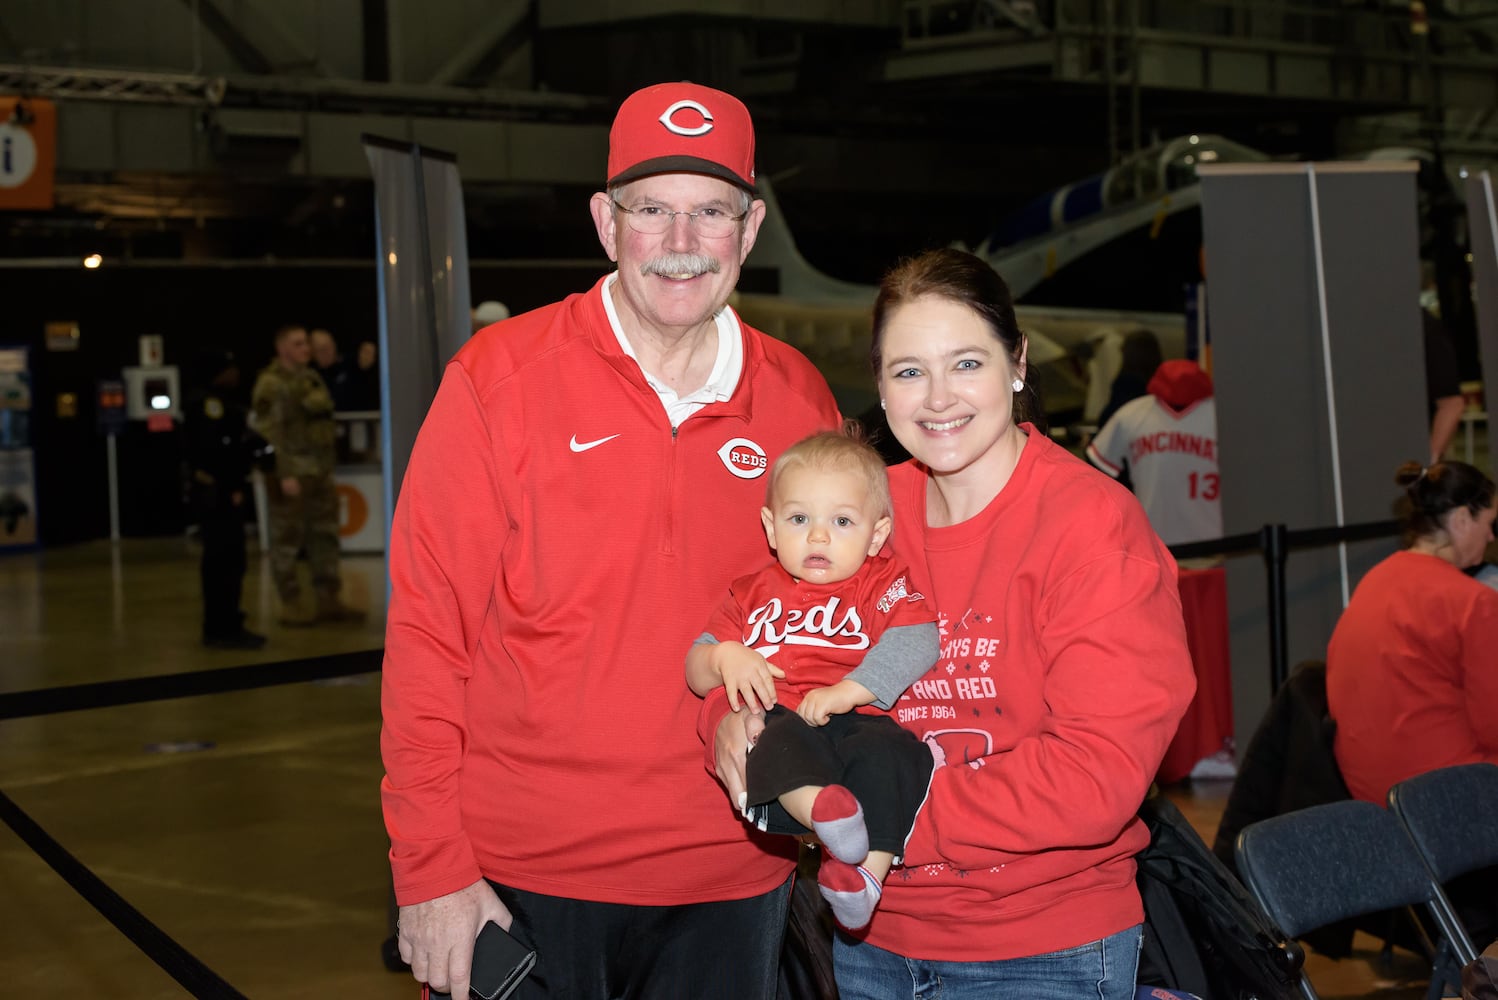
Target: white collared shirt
x,y
727,367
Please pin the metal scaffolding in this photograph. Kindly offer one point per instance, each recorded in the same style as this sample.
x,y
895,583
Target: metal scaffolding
x,y
288,93
72,83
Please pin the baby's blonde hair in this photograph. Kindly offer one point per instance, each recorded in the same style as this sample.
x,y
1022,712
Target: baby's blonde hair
x,y
843,449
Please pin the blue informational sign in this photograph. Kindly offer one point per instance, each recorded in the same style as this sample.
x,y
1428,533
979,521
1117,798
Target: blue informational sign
x,y
112,415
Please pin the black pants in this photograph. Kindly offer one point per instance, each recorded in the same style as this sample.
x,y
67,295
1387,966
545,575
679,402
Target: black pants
x,y
615,951
888,769
222,569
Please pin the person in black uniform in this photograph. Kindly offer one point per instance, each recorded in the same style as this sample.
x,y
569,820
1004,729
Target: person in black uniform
x,y
219,456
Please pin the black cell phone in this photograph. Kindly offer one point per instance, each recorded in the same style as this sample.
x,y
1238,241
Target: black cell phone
x,y
499,964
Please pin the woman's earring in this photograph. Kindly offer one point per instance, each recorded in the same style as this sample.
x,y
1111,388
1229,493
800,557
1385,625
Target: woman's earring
x,y
1017,384
882,405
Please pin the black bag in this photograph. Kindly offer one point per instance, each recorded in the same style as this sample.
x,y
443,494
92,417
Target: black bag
x,y
1480,976
806,953
1203,933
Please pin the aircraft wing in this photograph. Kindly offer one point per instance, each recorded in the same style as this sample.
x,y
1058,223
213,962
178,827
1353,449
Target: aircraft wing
x,y
1025,265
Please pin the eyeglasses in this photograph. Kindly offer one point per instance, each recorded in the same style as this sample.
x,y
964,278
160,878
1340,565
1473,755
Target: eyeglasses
x,y
652,220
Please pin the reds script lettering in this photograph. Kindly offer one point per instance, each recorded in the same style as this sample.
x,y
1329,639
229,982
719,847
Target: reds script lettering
x,y
747,459
771,625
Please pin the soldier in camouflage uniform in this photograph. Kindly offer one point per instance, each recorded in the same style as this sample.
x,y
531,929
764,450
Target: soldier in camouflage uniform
x,y
294,412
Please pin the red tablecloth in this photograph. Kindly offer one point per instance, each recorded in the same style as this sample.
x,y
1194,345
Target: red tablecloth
x,y
1208,722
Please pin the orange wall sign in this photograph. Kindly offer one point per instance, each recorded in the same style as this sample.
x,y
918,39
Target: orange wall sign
x,y
353,511
28,152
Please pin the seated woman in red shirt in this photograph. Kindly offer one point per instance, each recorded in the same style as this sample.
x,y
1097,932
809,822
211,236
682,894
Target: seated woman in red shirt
x,y
1412,669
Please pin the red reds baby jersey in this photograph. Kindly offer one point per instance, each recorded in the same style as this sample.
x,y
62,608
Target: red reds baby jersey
x,y
817,633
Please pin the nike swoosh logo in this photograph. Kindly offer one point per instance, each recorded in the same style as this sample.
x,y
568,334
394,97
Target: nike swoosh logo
x,y
584,446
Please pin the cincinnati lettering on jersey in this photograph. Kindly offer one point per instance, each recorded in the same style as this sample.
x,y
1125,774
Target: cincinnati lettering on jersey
x,y
771,625
1164,441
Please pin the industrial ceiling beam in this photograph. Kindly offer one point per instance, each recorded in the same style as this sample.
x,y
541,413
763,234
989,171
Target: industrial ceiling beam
x,y
496,33
221,26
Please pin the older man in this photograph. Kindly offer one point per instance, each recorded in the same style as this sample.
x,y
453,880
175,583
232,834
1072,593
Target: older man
x,y
586,484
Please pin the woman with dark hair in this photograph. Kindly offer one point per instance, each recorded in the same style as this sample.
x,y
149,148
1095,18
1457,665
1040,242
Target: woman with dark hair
x,y
1412,668
1062,676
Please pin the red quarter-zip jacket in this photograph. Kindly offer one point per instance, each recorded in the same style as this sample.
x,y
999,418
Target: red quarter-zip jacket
x,y
555,551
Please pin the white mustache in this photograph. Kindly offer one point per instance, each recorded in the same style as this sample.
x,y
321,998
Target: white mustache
x,y
682,263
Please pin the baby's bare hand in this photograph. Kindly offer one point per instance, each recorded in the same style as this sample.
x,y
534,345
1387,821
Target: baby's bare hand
x,y
821,704
748,678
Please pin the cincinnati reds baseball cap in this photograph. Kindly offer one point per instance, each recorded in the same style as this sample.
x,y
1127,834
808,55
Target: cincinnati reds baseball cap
x,y
682,127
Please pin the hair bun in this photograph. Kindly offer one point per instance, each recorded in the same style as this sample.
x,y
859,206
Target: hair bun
x,y
1409,473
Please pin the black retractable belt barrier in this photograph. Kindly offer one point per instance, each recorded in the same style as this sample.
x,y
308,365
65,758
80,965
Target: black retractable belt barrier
x,y
1229,546
1275,541
1275,552
179,963
106,694
1274,536
1311,538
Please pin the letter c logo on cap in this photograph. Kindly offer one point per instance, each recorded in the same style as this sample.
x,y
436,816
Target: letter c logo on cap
x,y
703,129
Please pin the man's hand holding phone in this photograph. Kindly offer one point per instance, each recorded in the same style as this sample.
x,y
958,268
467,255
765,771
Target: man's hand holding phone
x,y
500,962
437,937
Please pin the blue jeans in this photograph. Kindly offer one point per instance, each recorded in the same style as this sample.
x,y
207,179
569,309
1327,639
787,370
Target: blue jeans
x,y
1103,969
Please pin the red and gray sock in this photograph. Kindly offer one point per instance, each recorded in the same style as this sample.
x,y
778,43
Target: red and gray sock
x,y
851,891
837,819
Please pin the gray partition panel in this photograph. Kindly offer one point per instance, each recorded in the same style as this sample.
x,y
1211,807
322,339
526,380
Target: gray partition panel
x,y
1275,407
421,243
1370,241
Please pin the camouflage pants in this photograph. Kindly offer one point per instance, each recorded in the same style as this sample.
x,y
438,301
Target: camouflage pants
x,y
306,522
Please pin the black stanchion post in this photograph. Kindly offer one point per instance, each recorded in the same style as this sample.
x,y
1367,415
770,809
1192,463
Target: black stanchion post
x,y
1272,541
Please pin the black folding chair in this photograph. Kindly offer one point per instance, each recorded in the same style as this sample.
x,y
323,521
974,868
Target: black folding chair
x,y
1451,816
1326,863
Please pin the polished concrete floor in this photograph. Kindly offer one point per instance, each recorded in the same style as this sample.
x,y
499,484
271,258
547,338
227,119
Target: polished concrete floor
x,y
263,854
246,825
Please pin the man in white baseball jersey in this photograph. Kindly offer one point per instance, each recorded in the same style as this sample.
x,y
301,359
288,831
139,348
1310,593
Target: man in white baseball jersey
x,y
1168,441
